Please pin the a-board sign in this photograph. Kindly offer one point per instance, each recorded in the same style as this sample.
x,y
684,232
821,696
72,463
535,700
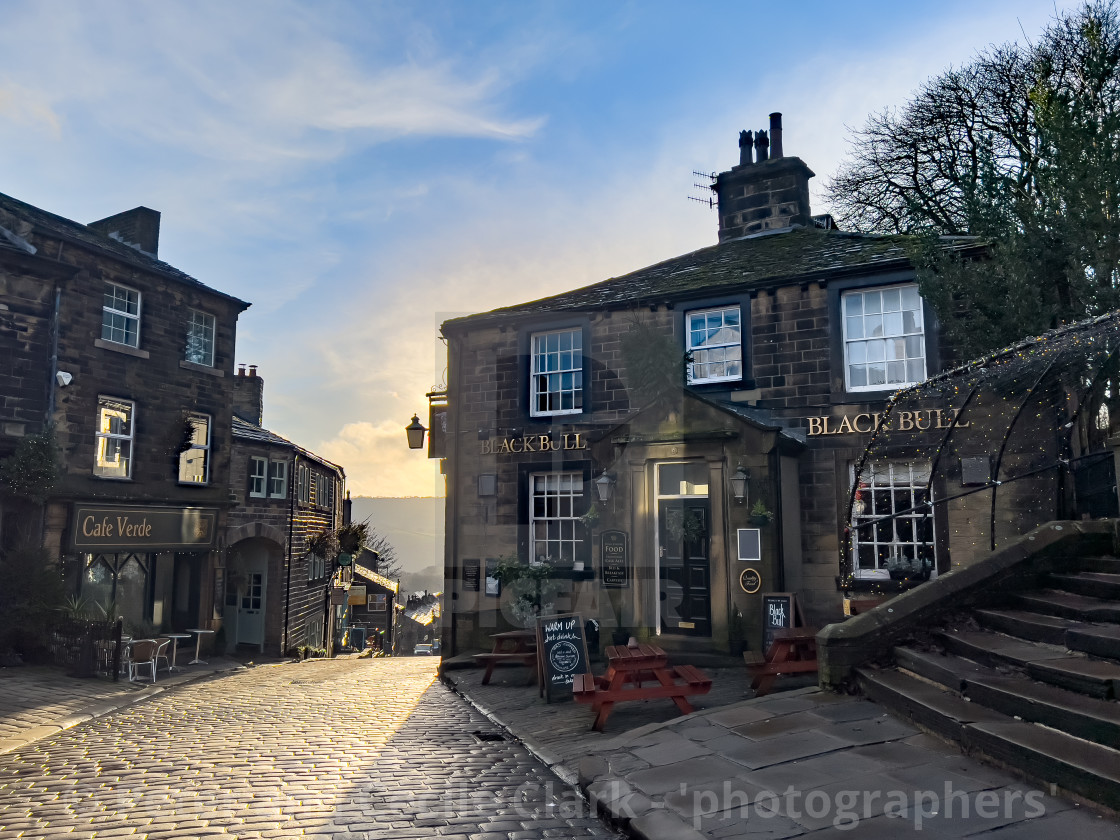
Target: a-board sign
x,y
562,654
777,613
750,544
470,575
615,560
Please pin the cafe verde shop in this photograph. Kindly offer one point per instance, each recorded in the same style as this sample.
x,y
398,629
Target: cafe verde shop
x,y
152,564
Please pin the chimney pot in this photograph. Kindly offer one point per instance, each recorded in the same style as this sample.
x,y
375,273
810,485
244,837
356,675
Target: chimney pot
x,y
253,371
746,148
761,146
776,135
241,370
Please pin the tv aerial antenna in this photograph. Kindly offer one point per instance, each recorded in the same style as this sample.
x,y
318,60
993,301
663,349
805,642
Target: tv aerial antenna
x,y
709,199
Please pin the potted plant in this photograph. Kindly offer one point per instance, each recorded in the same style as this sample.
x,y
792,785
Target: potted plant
x,y
760,514
905,568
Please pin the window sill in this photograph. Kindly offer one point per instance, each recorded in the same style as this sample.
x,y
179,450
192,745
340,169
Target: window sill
x,y
197,368
193,484
112,477
121,348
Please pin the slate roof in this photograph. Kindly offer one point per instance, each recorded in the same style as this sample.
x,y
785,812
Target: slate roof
x,y
374,577
244,430
753,262
67,229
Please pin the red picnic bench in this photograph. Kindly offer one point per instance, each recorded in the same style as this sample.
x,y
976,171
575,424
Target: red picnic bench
x,y
793,651
628,668
514,646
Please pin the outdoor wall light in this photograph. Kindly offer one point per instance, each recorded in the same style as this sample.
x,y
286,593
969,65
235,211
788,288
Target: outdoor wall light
x,y
415,431
738,481
604,487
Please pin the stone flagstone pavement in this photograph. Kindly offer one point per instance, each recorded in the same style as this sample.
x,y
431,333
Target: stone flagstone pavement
x,y
799,763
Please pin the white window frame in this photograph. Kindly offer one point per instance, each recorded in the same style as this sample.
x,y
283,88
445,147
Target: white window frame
x,y
205,323
891,342
197,446
103,434
258,477
109,312
277,479
902,477
709,352
557,518
556,373
303,484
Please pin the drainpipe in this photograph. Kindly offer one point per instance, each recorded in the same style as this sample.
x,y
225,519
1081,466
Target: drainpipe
x,y
288,560
52,386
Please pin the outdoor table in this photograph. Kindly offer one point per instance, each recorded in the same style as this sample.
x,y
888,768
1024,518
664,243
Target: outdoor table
x,y
175,637
793,651
511,646
198,645
629,667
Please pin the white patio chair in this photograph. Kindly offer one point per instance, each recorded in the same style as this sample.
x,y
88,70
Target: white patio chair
x,y
161,654
142,654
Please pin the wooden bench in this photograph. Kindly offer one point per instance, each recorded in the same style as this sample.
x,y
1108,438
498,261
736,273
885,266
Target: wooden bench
x,y
491,660
673,682
793,651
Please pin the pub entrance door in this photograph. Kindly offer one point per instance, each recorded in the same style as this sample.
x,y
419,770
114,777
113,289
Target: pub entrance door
x,y
683,539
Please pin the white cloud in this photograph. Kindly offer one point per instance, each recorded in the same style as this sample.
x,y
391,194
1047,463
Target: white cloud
x,y
379,463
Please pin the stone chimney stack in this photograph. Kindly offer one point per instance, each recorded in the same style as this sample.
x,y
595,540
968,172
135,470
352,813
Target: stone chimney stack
x,y
138,228
248,395
775,136
770,193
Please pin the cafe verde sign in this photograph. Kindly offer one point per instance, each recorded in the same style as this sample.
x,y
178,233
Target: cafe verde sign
x,y
901,421
142,528
534,443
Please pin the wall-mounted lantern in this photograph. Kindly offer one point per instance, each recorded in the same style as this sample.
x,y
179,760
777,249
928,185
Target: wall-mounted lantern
x,y
415,432
738,481
604,487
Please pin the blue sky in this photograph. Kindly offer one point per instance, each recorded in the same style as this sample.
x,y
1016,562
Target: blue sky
x,y
362,171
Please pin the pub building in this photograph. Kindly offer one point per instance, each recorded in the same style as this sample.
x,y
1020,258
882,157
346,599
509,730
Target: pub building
x,y
680,441
130,362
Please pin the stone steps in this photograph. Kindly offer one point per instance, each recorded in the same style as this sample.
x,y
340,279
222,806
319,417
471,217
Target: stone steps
x,y
1068,605
1093,584
1033,684
1044,754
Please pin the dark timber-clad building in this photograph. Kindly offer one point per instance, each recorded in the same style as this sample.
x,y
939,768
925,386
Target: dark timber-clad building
x,y
681,440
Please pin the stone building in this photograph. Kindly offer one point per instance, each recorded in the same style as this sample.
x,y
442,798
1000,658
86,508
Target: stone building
x,y
276,587
130,362
680,441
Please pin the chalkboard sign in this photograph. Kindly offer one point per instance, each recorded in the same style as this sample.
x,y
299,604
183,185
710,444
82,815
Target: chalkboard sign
x,y
562,653
470,575
777,613
750,544
615,562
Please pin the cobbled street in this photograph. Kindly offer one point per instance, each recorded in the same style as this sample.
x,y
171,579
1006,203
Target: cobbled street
x,y
365,748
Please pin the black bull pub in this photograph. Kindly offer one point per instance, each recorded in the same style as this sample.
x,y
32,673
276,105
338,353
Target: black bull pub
x,y
153,565
774,416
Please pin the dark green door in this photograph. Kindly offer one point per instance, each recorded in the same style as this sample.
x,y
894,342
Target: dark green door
x,y
685,572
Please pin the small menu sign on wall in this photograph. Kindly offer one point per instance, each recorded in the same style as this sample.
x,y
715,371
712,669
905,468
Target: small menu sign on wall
x,y
471,569
615,560
562,653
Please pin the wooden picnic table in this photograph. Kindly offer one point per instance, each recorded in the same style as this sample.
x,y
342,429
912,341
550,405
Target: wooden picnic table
x,y
793,651
627,669
518,646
